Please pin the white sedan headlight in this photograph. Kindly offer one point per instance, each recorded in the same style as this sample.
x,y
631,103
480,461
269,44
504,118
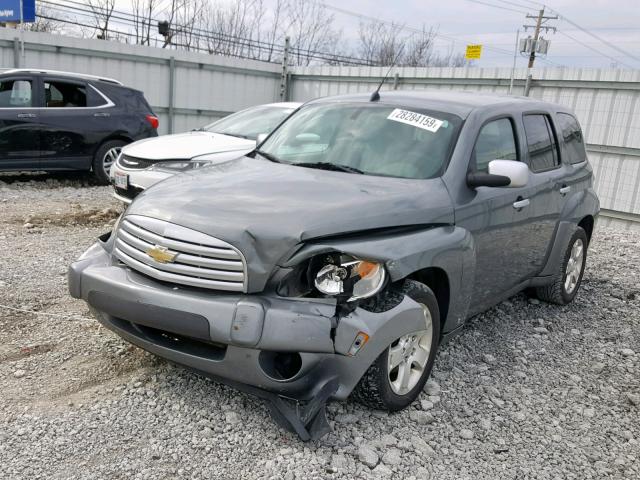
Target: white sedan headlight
x,y
178,165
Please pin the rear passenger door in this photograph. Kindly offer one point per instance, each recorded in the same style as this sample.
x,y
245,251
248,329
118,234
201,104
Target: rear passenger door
x,y
542,213
19,123
577,174
71,130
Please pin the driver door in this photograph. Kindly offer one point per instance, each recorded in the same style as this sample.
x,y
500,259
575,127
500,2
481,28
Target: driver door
x,y
494,222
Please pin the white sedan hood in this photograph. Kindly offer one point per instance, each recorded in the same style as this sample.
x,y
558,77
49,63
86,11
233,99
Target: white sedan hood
x,y
185,146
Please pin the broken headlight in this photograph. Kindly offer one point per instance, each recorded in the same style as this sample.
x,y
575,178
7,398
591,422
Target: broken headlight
x,y
356,279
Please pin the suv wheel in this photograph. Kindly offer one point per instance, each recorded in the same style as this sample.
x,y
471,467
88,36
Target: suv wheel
x,y
567,279
398,375
106,156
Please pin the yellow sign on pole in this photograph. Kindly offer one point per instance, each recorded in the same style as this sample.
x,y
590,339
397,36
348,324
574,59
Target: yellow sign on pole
x,y
474,52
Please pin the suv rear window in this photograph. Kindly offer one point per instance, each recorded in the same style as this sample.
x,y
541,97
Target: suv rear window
x,y
60,94
573,139
15,94
543,147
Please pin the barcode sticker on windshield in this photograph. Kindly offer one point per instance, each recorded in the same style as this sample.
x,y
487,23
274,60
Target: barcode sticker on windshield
x,y
416,119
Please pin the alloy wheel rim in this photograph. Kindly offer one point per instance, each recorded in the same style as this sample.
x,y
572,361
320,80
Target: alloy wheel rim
x,y
574,267
110,158
408,357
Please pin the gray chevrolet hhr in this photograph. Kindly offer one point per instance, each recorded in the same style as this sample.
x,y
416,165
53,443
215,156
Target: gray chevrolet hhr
x,y
361,234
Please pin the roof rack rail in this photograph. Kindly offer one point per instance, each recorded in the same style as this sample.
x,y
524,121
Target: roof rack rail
x,y
61,73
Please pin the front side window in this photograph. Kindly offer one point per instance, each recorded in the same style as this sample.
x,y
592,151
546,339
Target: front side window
x,y
64,95
573,139
251,122
543,148
496,141
15,94
376,139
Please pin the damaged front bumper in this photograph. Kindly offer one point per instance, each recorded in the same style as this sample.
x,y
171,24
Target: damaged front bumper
x,y
282,349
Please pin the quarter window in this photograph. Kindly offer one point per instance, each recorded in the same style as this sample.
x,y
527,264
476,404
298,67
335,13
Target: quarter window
x,y
15,94
573,139
543,148
496,141
64,95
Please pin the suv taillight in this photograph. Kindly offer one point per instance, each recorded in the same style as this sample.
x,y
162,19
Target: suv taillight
x,y
153,121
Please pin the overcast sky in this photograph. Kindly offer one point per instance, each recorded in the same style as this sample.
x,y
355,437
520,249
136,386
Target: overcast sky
x,y
461,22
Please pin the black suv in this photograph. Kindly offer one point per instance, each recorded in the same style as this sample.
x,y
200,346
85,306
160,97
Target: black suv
x,y
53,120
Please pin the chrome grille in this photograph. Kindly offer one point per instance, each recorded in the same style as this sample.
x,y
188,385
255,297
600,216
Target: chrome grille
x,y
200,260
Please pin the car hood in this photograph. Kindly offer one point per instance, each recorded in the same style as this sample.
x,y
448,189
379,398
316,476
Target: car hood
x,y
267,210
185,146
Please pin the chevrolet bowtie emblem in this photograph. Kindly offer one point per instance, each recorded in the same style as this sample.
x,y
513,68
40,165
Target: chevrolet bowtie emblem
x,y
161,254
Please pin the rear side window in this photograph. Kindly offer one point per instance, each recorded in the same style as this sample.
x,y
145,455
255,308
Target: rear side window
x,y
59,94
496,141
15,94
541,140
573,139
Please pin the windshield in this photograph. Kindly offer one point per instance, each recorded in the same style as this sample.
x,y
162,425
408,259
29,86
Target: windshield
x,y
375,139
251,122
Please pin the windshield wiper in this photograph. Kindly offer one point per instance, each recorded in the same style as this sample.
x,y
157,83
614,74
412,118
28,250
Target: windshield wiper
x,y
268,156
329,166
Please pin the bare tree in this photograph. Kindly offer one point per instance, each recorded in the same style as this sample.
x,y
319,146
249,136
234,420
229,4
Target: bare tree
x,y
310,28
419,51
172,10
187,19
273,33
143,17
380,44
47,21
102,12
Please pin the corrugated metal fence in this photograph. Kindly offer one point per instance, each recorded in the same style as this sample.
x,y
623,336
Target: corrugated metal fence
x,y
191,89
185,89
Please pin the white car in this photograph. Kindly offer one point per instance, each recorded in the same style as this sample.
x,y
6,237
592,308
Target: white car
x,y
144,163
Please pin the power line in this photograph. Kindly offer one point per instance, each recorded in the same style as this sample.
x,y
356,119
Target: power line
x,y
127,19
597,37
584,30
497,6
369,18
594,49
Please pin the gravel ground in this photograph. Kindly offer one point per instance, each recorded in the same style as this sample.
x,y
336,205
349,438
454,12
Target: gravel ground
x,y
527,391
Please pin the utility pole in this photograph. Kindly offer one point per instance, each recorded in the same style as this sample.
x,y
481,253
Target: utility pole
x,y
540,20
515,56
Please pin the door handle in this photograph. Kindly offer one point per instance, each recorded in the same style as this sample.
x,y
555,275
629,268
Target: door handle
x,y
565,189
521,203
27,115
103,114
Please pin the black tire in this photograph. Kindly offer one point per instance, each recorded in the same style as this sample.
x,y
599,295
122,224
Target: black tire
x,y
374,389
98,165
556,292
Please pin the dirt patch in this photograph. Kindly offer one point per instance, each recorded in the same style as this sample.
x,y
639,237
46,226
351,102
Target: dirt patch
x,y
26,351
78,216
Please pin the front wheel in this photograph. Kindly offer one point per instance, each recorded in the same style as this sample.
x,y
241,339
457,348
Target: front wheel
x,y
398,375
105,157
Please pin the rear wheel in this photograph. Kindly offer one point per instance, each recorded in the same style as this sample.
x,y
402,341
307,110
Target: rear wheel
x,y
398,375
105,157
568,277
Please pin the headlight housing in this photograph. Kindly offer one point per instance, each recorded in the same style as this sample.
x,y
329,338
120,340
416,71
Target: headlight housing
x,y
342,275
179,165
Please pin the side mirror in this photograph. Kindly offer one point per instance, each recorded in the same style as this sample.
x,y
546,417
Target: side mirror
x,y
261,138
502,173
